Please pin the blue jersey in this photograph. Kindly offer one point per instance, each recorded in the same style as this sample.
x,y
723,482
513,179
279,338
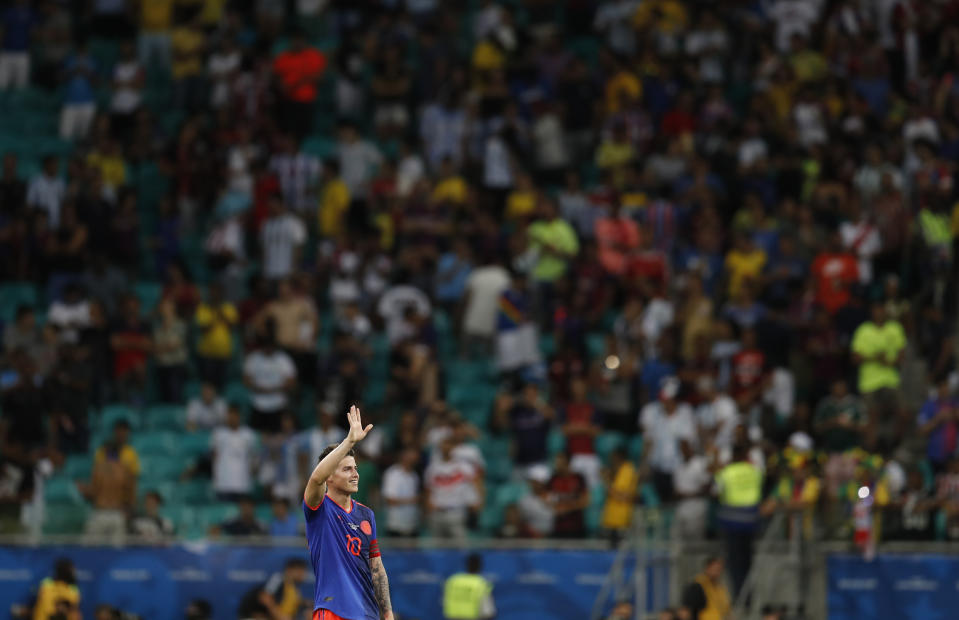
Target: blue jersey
x,y
342,542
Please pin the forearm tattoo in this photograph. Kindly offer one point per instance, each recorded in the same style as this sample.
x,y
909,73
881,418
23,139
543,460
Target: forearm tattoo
x,y
381,587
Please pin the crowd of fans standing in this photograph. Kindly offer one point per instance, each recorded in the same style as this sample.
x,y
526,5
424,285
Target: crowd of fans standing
x,y
710,226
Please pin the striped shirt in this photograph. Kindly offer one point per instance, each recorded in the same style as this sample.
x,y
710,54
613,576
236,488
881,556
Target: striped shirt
x,y
299,177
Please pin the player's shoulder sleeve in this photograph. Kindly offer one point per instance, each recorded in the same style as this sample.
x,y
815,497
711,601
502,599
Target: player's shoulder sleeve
x,y
312,511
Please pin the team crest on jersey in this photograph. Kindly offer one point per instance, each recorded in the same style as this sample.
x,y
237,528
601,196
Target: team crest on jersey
x,y
366,528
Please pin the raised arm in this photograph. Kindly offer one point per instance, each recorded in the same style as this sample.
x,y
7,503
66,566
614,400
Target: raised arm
x,y
316,486
381,588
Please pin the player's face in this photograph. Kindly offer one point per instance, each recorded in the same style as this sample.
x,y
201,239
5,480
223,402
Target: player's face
x,y
345,478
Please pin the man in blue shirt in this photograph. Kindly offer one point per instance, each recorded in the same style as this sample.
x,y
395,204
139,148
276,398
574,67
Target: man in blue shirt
x,y
17,22
79,97
938,424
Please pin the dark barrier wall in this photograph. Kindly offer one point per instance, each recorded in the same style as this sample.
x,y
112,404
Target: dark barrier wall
x,y
157,583
893,586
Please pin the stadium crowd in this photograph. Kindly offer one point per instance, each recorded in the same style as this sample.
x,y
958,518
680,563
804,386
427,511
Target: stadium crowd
x,y
621,239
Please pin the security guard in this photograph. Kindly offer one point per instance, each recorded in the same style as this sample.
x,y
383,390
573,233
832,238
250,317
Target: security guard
x,y
740,487
468,596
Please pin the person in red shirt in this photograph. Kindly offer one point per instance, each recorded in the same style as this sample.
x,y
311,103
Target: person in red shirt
x,y
131,344
748,372
569,497
835,272
581,427
617,237
298,70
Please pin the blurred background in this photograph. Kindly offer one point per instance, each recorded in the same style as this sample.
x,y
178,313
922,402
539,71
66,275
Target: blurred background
x,y
652,302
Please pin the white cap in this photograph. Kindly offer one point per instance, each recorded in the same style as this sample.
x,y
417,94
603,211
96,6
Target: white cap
x,y
538,473
801,442
669,388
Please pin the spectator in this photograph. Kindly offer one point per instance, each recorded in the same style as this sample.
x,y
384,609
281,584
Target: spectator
x,y
171,354
452,491
216,319
569,497
60,587
717,415
297,327
233,447
917,509
298,174
878,347
483,289
536,508
112,486
270,375
128,79
665,423
517,345
834,270
79,100
69,394
281,240
283,524
937,420
401,490
206,411
530,418
623,610
47,190
279,597
131,343
691,483
24,423
707,597
22,333
150,525
580,427
223,66
198,609
334,202
19,23
153,44
358,159
841,420
555,243
298,70
244,524
187,41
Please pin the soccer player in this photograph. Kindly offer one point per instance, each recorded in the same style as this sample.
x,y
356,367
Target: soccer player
x,y
351,581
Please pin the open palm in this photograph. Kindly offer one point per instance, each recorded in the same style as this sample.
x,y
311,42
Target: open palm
x,y
357,432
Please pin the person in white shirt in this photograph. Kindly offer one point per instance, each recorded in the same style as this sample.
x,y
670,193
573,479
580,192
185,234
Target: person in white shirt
x,y
298,174
233,447
222,66
71,314
205,411
270,375
535,507
409,171
717,415
47,190
484,287
453,489
691,482
358,160
615,19
128,80
393,306
281,239
664,423
401,490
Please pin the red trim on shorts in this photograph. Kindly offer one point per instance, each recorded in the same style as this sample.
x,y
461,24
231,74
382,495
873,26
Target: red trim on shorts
x,y
325,614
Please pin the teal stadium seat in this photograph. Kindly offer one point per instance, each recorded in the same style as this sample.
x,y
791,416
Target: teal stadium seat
x,y
60,519
159,468
555,442
166,417
110,414
77,466
61,490
156,443
607,442
149,294
16,294
193,492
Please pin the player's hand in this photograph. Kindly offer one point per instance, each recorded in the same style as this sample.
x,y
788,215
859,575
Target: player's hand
x,y
357,432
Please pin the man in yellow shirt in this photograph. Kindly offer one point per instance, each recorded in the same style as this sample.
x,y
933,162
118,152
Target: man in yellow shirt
x,y
878,347
451,188
58,593
109,161
153,44
216,319
188,42
706,597
744,262
621,494
334,202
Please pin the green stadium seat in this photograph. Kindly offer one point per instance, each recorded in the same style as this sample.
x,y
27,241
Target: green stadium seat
x,y
193,492
555,442
193,445
149,294
16,294
166,417
214,514
635,448
61,490
156,443
60,519
77,466
160,468
496,451
607,442
111,413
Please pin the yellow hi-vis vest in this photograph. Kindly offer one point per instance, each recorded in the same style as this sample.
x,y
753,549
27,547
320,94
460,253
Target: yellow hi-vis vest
x,y
741,485
463,596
